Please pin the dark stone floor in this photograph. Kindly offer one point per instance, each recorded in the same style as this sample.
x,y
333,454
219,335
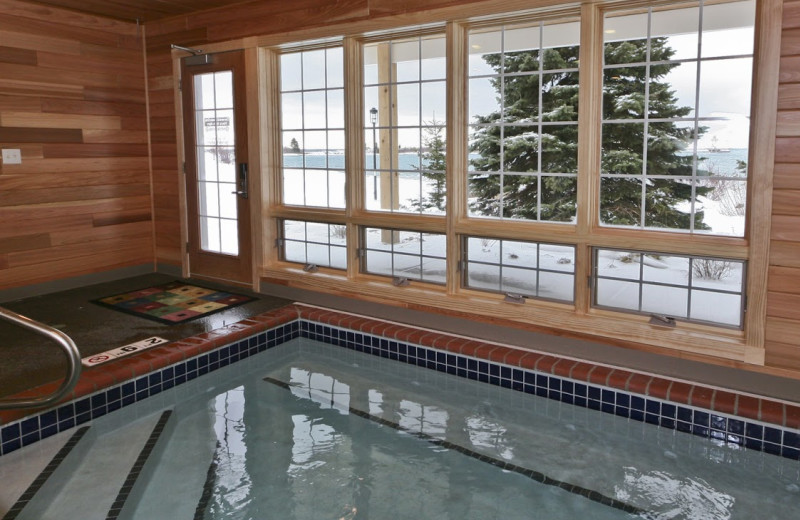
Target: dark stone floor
x,y
31,360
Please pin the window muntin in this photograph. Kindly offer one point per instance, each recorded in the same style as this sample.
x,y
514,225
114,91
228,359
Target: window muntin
x,y
312,125
676,107
523,116
530,269
216,162
702,289
586,235
405,254
404,121
314,243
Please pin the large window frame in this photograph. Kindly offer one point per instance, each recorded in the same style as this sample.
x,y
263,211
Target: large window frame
x,y
585,233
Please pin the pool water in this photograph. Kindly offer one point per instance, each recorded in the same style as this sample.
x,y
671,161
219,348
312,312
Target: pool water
x,y
313,431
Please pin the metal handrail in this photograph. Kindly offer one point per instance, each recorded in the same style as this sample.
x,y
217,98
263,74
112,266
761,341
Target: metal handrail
x,y
66,344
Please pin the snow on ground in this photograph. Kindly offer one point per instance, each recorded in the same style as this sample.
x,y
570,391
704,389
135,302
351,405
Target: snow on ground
x,y
658,284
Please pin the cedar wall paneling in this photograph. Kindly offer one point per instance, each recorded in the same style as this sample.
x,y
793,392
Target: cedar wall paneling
x,y
73,99
783,301
277,16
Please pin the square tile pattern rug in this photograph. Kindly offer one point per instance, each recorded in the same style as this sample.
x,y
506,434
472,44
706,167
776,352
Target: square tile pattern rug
x,y
174,302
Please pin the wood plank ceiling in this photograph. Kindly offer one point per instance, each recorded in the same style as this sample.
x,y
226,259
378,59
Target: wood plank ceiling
x,y
133,10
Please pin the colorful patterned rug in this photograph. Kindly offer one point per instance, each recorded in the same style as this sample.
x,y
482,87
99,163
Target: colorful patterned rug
x,y
174,302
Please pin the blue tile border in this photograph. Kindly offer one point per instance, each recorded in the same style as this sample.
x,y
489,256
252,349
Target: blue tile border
x,y
721,428
28,430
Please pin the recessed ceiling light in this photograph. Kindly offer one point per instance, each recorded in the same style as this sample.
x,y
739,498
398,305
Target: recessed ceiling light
x,y
610,31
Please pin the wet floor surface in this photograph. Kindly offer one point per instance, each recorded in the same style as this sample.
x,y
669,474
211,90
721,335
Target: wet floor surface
x,y
29,360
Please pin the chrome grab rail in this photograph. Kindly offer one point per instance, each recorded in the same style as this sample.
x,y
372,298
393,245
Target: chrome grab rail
x,y
66,344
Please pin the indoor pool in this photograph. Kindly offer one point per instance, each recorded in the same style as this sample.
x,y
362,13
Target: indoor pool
x,y
312,431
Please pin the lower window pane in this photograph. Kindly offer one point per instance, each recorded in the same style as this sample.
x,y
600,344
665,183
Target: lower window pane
x,y
482,276
556,286
379,262
667,301
530,269
294,252
434,270
717,307
405,254
703,289
618,294
520,281
317,243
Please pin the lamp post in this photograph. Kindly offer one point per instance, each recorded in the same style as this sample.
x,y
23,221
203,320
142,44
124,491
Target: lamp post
x,y
373,117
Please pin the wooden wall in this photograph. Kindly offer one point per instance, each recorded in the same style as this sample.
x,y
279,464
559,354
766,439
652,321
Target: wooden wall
x,y
73,99
277,16
783,303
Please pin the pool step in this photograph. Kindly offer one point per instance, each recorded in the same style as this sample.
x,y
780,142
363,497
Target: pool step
x,y
100,474
183,467
26,472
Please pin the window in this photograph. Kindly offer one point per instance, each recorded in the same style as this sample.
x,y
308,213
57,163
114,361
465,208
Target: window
x,y
405,117
527,269
312,122
523,112
693,288
405,255
676,107
216,162
605,175
314,244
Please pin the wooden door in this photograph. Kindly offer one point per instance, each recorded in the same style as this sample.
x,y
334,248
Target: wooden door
x,y
217,177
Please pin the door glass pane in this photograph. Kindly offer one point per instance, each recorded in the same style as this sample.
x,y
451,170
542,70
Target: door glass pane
x,y
216,160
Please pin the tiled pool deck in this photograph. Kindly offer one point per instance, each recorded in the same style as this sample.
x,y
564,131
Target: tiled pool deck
x,y
726,416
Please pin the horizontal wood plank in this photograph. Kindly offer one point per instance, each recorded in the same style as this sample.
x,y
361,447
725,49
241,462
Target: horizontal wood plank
x,y
786,254
782,356
788,123
18,56
784,279
40,135
782,330
785,228
38,225
69,18
783,305
25,242
45,181
95,150
38,42
42,120
786,202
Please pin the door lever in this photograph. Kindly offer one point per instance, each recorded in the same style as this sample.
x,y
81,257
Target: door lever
x,y
242,181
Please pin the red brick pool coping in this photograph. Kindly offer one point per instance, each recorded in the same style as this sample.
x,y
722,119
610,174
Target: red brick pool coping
x,y
729,402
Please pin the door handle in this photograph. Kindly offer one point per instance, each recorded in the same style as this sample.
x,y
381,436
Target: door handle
x,y
241,181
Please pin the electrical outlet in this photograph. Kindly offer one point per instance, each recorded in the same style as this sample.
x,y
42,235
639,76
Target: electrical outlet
x,y
12,156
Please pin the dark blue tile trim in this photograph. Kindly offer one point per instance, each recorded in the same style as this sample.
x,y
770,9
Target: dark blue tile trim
x,y
721,428
32,429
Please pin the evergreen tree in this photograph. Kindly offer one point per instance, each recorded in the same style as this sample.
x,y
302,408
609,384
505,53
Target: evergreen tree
x,y
294,146
435,163
623,98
